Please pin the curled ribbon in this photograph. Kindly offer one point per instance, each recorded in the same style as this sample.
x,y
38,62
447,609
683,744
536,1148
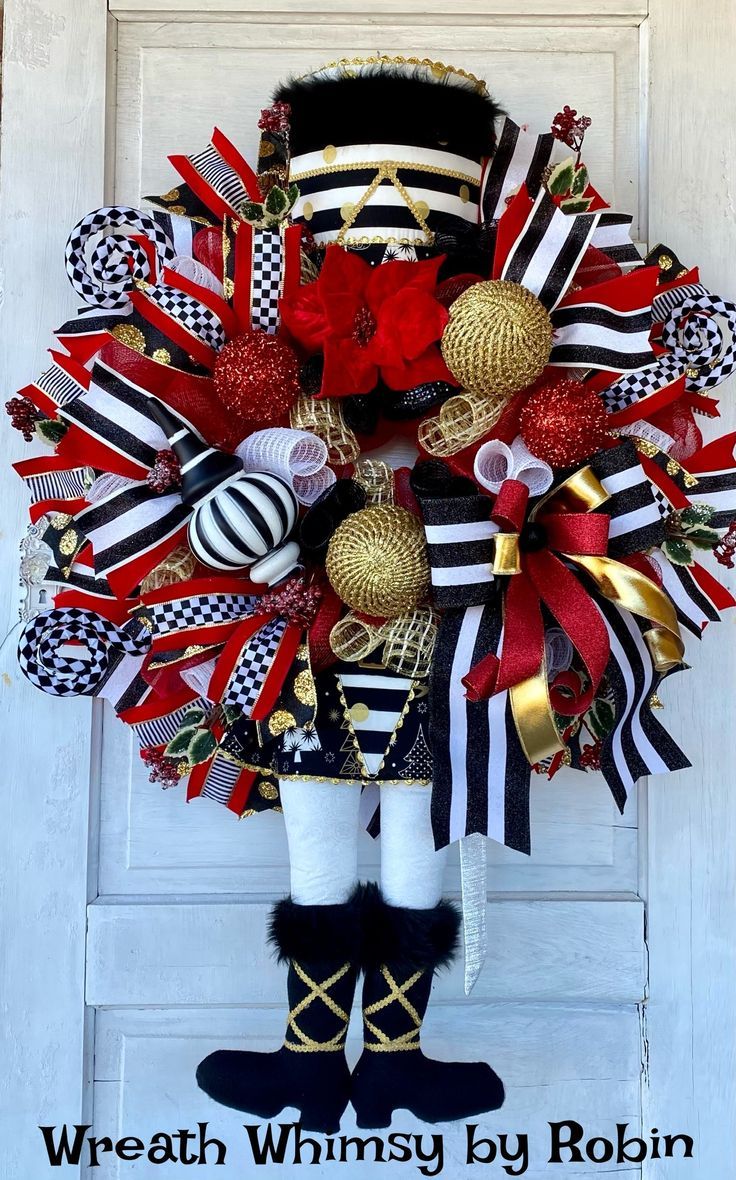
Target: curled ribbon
x,y
535,555
83,672
408,640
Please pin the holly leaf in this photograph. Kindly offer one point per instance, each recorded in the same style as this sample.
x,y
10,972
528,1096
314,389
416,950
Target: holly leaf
x,y
576,204
252,211
606,717
277,202
580,181
201,747
703,537
561,178
50,431
696,514
179,744
293,194
192,717
678,551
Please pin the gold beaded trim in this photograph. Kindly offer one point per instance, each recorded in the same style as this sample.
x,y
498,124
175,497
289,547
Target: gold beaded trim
x,y
392,740
438,68
393,165
407,1040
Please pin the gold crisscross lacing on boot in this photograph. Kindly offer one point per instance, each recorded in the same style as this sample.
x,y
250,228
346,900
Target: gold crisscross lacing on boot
x,y
396,994
317,991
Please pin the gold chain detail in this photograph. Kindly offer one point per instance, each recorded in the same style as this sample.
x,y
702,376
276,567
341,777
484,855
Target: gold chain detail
x,y
318,991
395,165
396,992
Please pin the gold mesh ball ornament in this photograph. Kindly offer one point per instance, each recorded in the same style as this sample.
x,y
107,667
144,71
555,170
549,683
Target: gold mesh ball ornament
x,y
376,561
498,339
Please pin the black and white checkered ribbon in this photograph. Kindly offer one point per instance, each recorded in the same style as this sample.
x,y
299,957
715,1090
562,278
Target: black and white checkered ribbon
x,y
189,313
104,265
61,673
267,276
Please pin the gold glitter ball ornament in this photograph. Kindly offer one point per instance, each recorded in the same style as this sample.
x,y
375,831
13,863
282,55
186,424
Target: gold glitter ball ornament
x,y
498,339
377,563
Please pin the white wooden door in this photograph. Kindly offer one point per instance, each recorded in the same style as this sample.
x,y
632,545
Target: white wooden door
x,y
134,924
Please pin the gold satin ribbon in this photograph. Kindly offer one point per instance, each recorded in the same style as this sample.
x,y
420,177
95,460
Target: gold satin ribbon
x,y
619,583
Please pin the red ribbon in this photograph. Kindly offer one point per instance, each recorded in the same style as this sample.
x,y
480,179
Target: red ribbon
x,y
544,578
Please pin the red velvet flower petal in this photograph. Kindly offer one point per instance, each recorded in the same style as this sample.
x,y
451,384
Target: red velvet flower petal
x,y
389,278
348,369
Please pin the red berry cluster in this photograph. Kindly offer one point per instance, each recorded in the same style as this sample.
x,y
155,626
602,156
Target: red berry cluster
x,y
590,756
275,119
725,550
163,770
295,600
23,416
569,128
165,473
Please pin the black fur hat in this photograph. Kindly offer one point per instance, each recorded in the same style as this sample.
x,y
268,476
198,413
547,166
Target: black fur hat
x,y
387,105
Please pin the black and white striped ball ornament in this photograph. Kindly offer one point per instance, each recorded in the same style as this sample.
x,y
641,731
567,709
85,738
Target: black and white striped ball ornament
x,y
243,521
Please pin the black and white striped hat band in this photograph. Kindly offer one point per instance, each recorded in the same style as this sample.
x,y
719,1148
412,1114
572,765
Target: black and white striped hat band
x,y
398,191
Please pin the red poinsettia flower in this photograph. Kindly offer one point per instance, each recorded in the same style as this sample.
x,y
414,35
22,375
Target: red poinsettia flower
x,y
370,323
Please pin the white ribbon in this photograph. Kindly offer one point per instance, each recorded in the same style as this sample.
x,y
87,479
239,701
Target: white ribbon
x,y
496,462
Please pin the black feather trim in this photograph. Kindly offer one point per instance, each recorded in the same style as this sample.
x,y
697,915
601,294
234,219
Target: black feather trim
x,y
388,107
408,940
316,932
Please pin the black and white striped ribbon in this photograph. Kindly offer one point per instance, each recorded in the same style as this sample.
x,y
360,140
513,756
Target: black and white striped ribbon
x,y
158,731
385,696
481,776
115,411
592,335
220,176
460,547
69,651
548,250
519,158
61,484
637,515
59,386
638,745
694,608
612,236
103,265
129,522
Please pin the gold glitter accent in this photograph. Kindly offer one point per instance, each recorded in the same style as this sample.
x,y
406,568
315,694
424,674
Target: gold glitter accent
x,y
249,811
377,562
308,211
464,193
178,209
265,149
130,336
689,480
268,791
672,467
692,373
655,702
59,520
359,712
304,689
145,622
69,542
161,355
388,165
438,68
664,262
646,448
228,287
281,720
329,153
302,652
498,339
566,759
422,208
142,284
171,195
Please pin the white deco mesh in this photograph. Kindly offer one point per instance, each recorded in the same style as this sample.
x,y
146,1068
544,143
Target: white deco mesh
x,y
298,457
496,462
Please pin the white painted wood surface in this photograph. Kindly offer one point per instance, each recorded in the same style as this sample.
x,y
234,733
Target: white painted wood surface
x,y
176,958
53,151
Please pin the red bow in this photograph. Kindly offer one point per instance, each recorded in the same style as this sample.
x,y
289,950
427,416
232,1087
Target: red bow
x,y
541,577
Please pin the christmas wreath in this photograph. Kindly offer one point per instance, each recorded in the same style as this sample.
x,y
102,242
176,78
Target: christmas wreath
x,y
234,541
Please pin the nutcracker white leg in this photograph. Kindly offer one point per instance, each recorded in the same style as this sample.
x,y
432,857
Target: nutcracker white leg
x,y
412,870
322,828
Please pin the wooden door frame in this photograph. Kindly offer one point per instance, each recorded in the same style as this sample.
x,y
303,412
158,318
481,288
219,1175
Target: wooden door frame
x,y
55,131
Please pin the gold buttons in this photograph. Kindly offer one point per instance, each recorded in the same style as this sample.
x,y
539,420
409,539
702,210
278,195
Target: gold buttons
x,y
307,210
464,193
347,211
360,712
329,153
422,209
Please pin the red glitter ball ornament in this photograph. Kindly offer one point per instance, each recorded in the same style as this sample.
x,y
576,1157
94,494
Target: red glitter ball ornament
x,y
257,377
564,423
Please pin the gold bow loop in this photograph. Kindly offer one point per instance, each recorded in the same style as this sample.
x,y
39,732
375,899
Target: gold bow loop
x,y
408,641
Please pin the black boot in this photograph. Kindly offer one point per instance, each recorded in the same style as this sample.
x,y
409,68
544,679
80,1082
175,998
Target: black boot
x,y
403,949
309,1072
